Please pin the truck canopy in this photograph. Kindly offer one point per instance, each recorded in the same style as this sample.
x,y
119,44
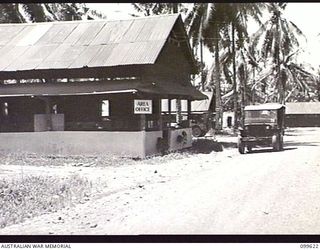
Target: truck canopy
x,y
265,106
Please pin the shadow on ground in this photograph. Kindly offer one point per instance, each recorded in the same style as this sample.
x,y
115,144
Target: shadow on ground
x,y
295,144
205,146
229,144
269,150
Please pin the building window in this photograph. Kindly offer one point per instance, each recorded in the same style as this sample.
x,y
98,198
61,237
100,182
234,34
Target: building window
x,y
105,108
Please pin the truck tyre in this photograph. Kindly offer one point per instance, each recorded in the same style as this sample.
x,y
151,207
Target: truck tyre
x,y
241,146
196,131
281,142
162,145
275,143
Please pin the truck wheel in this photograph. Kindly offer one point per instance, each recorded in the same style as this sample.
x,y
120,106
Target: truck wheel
x,y
196,131
241,146
276,143
281,142
203,133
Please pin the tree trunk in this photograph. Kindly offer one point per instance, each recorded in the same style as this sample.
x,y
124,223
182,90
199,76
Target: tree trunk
x,y
235,93
201,59
283,82
318,82
218,123
282,87
280,84
175,8
243,84
179,111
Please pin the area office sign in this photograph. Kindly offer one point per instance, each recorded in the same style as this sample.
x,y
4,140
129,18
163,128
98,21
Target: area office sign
x,y
143,106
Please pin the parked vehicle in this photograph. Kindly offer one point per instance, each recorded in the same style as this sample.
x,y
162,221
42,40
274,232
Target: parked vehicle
x,y
201,123
202,115
263,126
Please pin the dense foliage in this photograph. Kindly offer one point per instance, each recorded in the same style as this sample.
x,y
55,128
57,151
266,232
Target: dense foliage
x,y
45,12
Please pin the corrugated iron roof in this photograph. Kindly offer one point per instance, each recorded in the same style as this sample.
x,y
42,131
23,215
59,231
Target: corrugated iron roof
x,y
78,44
99,87
302,108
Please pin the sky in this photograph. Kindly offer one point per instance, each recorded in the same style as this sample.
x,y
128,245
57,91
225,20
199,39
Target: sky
x,y
305,15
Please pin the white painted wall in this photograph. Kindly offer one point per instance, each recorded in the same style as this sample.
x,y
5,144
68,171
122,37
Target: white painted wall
x,y
150,143
56,122
130,144
225,119
174,144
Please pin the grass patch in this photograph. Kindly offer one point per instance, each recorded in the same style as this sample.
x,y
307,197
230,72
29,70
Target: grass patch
x,y
36,195
34,159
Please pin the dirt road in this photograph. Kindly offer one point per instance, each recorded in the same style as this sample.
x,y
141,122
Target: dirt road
x,y
263,192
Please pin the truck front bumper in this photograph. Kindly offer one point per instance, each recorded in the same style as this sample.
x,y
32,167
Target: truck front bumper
x,y
250,140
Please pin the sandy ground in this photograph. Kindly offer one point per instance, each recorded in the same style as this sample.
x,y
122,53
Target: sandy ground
x,y
263,192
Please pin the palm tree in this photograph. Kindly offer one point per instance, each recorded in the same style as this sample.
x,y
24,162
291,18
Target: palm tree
x,y
204,23
149,9
279,40
213,23
9,13
239,14
318,83
44,12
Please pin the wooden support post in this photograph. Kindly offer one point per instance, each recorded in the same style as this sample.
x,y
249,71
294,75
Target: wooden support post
x,y
178,114
48,113
143,122
189,111
160,115
48,105
169,111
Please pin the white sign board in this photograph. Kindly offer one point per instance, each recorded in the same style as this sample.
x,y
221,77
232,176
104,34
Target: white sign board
x,y
143,106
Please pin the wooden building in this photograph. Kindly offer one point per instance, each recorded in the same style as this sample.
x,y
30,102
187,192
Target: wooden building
x,y
92,87
302,114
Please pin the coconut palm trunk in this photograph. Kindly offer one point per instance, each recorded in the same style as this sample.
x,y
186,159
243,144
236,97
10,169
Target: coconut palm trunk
x,y
175,8
218,123
243,84
235,93
318,86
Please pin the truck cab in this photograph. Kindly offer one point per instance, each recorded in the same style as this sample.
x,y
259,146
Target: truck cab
x,y
263,126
